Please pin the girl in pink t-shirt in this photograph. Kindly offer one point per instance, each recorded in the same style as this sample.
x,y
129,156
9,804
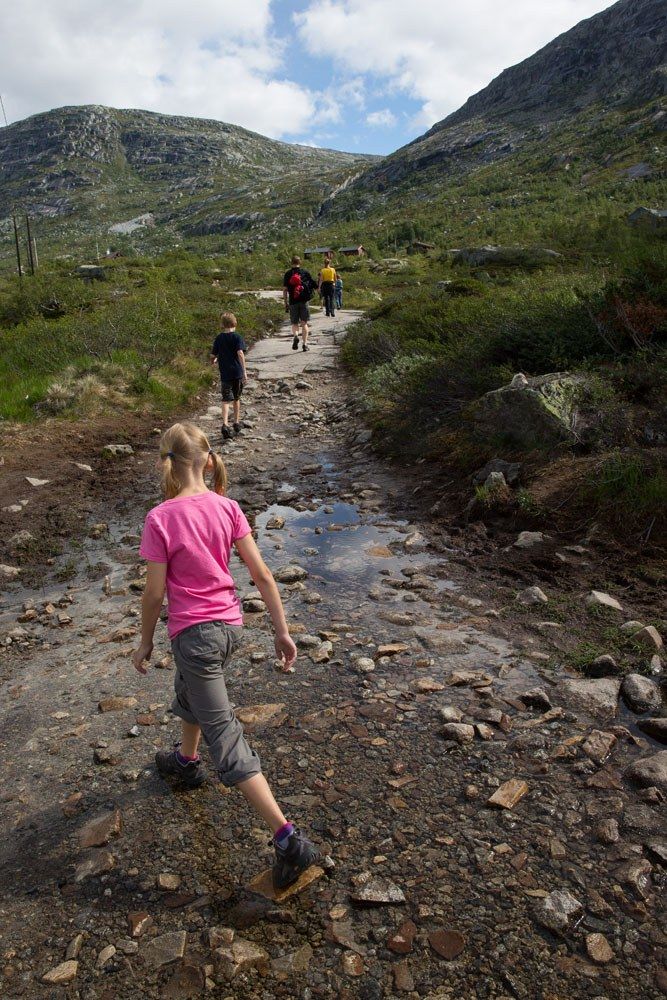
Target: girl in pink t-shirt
x,y
187,541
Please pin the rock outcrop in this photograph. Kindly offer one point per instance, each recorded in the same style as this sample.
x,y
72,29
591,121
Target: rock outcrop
x,y
529,413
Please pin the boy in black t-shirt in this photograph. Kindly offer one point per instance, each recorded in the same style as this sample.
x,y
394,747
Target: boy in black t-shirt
x,y
297,289
229,351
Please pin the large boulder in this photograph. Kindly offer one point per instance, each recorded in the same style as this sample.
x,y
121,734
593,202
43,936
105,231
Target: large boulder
x,y
650,771
649,218
504,256
530,412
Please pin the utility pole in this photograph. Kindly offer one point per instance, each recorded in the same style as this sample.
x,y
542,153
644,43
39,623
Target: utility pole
x,y
31,259
18,249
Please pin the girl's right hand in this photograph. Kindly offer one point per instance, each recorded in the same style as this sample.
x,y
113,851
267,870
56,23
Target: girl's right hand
x,y
285,651
144,652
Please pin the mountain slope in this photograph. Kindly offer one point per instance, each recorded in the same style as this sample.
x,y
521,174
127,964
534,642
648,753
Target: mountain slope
x,y
93,166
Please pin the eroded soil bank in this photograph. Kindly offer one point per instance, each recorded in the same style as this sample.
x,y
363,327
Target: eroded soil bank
x,y
422,686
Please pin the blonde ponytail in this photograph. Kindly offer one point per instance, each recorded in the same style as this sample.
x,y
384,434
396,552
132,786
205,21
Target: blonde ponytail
x,y
184,446
219,474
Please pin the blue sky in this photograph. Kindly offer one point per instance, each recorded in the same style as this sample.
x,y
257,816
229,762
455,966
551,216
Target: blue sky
x,y
361,75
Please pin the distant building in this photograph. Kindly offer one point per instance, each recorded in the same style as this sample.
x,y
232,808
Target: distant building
x,y
317,251
357,251
418,246
649,218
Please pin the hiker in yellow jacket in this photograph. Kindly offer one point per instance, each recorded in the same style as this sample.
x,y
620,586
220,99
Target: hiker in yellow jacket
x,y
326,286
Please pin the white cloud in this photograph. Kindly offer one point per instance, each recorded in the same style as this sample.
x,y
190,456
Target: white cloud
x,y
381,119
436,51
208,58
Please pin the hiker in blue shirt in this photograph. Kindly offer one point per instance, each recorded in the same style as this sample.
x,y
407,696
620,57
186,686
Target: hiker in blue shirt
x,y
229,351
338,291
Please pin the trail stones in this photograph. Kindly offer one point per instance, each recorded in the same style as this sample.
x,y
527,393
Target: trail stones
x,y
428,685
275,523
290,574
603,666
364,665
598,599
650,771
139,921
598,949
238,956
101,830
401,942
36,482
559,911
107,755
117,450
353,965
536,698
392,649
8,572
447,943
655,728
166,948
62,974
597,696
607,831
262,884
96,863
529,539
649,639
641,693
370,890
105,955
403,981
116,704
415,542
449,713
509,794
532,595
460,732
470,678
259,715
169,881
294,963
598,745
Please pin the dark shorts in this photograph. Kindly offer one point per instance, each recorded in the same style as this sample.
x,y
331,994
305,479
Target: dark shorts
x,y
231,391
299,312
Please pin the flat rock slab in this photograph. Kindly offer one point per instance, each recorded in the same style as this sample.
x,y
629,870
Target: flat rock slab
x,y
164,949
259,715
509,794
599,696
447,943
650,771
263,884
62,974
97,862
373,891
99,831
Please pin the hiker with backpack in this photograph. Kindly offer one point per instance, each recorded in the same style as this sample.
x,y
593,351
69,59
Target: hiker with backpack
x,y
326,283
298,288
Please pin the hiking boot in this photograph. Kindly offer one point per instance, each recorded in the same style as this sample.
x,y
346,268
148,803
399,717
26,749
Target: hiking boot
x,y
237,428
290,861
305,347
226,432
295,344
192,774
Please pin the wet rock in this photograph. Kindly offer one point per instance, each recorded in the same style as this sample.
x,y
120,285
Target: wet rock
x,y
116,704
98,832
529,539
470,678
290,574
598,745
428,685
598,599
650,771
275,523
96,863
536,698
649,639
259,715
308,641
253,605
595,695
449,713
655,728
532,595
139,921
509,794
392,649
370,890
641,693
62,974
117,450
447,943
607,831
402,940
166,948
364,665
598,949
559,911
460,732
239,956
415,542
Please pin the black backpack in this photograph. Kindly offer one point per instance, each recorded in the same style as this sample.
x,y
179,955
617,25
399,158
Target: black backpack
x,y
301,285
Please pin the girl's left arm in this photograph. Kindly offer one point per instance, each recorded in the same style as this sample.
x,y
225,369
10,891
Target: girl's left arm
x,y
151,605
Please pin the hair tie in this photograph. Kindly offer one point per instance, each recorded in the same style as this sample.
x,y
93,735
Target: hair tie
x,y
170,454
210,451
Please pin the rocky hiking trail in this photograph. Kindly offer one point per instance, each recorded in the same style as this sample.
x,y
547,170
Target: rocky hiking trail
x,y
496,826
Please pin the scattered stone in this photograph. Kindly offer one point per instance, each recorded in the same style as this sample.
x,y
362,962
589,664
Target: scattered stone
x,y
401,942
655,666
8,572
116,704
536,698
139,921
415,542
74,947
259,715
403,980
528,539
95,863
106,755
36,482
254,605
373,891
447,943
559,911
290,574
532,595
449,713
169,881
364,665
98,832
655,728
510,471
19,541
509,794
641,693
353,964
460,732
308,641
598,599
607,831
596,695
648,638
238,956
392,649
296,962
105,955
62,974
650,771
166,948
275,523
116,450
637,874
598,745
470,678
72,805
598,949
263,884
603,666
428,685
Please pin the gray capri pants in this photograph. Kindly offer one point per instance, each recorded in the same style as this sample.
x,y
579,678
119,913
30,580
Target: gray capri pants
x,y
200,654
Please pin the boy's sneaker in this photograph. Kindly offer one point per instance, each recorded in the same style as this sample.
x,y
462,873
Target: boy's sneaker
x,y
191,774
237,428
226,432
290,861
305,347
295,344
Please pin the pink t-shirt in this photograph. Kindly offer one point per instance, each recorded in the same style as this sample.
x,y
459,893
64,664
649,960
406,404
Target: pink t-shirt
x,y
194,536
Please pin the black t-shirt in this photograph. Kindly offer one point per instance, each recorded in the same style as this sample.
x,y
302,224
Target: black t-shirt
x,y
306,279
225,348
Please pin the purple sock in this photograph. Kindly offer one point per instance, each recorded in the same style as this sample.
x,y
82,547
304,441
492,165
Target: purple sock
x,y
283,835
182,759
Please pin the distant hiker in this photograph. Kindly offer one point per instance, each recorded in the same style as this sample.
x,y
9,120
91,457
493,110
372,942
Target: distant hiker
x,y
229,351
338,291
298,286
326,283
187,541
